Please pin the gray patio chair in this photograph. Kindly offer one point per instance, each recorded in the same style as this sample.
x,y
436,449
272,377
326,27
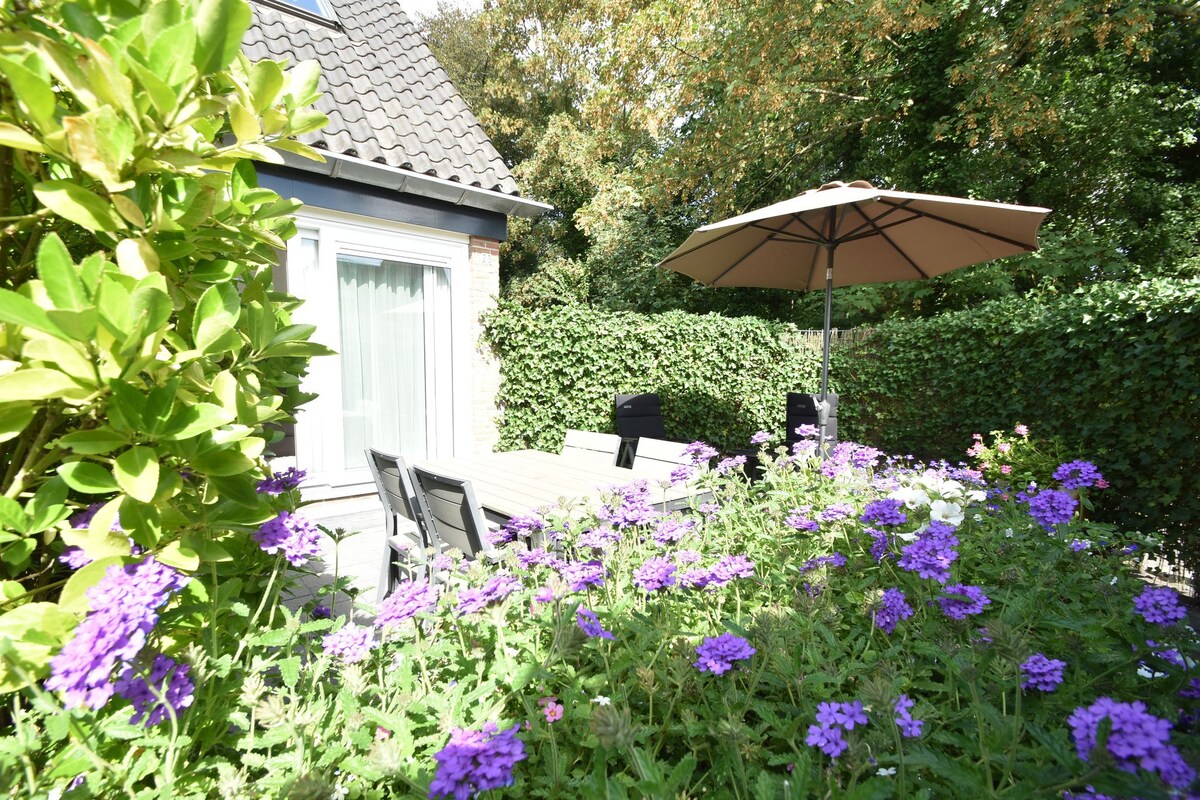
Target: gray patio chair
x,y
394,483
802,410
657,458
589,447
454,515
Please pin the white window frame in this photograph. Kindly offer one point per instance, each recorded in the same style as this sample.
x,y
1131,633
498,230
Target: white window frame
x,y
320,444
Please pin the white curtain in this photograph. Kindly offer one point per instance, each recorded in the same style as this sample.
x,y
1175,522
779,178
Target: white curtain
x,y
395,356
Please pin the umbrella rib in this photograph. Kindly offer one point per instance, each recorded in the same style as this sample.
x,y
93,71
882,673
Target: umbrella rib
x,y
857,233
888,239
735,264
676,256
964,226
776,233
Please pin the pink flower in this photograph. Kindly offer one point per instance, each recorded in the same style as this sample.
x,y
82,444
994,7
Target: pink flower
x,y
1004,447
1006,469
1021,430
551,708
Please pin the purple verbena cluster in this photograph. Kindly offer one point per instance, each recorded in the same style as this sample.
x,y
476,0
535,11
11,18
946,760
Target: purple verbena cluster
x,y
695,578
349,644
296,536
1159,605
700,453
717,653
633,506
1051,507
655,574
1078,475
599,538
538,556
281,482
1079,545
123,613
522,526
886,511
408,599
910,728
169,679
970,600
798,518
879,544
832,560
833,719
498,587
682,474
730,568
590,624
931,555
728,465
1042,673
671,529
836,512
579,575
475,761
893,607
761,437
1137,739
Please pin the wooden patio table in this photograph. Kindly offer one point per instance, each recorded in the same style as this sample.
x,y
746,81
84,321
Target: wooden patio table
x,y
522,481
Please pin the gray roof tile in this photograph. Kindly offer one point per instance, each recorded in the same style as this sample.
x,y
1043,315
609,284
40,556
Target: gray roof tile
x,y
387,98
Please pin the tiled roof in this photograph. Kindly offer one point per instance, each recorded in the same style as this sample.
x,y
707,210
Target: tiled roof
x,y
387,98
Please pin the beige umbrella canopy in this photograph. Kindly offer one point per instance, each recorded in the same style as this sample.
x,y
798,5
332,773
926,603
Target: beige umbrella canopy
x,y
847,234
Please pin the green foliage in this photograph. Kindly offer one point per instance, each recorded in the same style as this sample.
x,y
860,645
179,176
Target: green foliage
x,y
1111,368
144,352
720,379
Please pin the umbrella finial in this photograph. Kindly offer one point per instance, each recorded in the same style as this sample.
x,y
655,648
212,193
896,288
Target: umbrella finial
x,y
844,185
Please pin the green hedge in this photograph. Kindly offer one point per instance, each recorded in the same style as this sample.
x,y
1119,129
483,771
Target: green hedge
x,y
720,379
1111,369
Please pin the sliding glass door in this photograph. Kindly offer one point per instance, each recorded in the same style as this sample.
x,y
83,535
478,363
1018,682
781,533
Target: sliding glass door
x,y
385,300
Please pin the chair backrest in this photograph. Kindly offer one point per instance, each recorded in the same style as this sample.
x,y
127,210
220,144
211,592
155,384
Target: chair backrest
x,y
455,516
394,483
657,458
639,415
802,410
590,447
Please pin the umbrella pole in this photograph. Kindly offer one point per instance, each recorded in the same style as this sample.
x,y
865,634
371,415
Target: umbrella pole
x,y
823,409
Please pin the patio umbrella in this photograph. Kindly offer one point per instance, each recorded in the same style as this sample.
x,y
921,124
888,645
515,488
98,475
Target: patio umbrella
x,y
846,234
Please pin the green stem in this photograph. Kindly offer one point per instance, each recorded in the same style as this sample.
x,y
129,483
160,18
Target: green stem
x,y
261,603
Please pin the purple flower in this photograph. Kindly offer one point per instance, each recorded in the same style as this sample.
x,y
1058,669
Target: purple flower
x,y
406,601
295,535
686,556
538,557
1077,475
717,653
1080,544
884,512
833,719
525,526
83,519
1042,673
798,519
682,474
835,512
970,600
496,589
807,431
75,557
893,607
761,437
931,555
169,679
655,574
671,529
1192,690
700,453
879,544
630,506
281,482
350,643
123,613
731,567
1159,605
600,538
590,624
1136,739
909,728
321,612
827,738
834,560
695,578
728,465
581,574
1051,507
475,761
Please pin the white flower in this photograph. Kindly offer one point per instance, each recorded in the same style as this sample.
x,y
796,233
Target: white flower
x,y
1008,533
886,771
601,700
951,513
910,496
906,537
978,517
1146,672
976,496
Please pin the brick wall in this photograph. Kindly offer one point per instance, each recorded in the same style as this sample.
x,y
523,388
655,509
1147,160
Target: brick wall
x,y
485,368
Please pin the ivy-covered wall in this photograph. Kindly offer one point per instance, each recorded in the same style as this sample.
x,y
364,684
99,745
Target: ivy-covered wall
x,y
1112,369
720,379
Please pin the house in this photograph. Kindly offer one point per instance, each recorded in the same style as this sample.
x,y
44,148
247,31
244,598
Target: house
x,y
397,254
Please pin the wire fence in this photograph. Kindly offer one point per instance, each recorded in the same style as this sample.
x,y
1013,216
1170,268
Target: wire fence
x,y
837,338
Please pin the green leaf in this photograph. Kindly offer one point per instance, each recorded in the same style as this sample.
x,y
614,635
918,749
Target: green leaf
x,y
171,55
216,314
266,82
93,442
136,471
14,418
18,139
87,477
12,516
220,26
59,274
102,144
71,201
193,420
74,594
36,384
17,309
289,671
34,94
179,556
34,631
